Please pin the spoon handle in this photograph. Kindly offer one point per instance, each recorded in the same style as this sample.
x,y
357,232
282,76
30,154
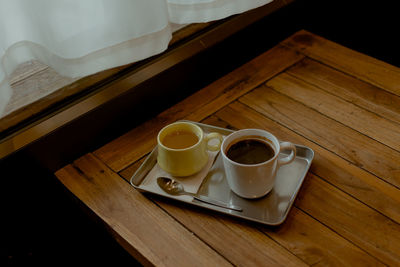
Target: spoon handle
x,y
217,203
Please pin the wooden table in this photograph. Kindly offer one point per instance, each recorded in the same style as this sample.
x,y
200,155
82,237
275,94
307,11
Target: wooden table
x,y
308,90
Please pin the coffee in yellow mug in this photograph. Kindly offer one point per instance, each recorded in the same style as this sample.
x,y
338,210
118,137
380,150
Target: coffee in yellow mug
x,y
183,148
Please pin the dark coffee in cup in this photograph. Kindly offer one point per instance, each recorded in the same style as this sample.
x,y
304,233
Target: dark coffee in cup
x,y
250,150
251,161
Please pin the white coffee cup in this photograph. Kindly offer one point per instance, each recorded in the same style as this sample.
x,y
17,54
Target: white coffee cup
x,y
256,179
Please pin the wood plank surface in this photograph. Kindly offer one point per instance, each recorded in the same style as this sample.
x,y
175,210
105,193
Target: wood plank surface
x,y
342,140
243,244
149,231
349,88
43,89
37,86
27,105
26,70
346,60
347,212
240,242
317,244
359,183
361,120
366,227
125,150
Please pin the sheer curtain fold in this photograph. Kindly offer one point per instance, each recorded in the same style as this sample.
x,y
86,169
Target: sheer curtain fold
x,y
79,38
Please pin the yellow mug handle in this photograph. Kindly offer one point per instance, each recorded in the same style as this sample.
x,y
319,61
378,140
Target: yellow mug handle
x,y
210,136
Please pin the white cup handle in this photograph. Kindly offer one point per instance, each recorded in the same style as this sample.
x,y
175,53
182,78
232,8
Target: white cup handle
x,y
210,136
292,155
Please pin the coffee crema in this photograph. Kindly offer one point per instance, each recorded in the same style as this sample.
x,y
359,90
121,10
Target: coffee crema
x,y
250,150
180,139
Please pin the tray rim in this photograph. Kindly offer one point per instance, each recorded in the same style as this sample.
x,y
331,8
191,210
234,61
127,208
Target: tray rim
x,y
212,207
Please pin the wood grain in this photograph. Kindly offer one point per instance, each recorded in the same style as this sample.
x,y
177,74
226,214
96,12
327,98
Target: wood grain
x,y
362,185
130,170
29,106
243,244
25,70
125,150
360,224
317,244
347,212
361,120
366,228
346,60
36,86
188,30
342,140
148,230
43,89
353,90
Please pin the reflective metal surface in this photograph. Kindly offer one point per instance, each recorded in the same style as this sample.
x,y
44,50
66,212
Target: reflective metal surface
x,y
271,209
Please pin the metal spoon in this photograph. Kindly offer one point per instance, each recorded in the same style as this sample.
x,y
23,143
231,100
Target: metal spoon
x,y
173,187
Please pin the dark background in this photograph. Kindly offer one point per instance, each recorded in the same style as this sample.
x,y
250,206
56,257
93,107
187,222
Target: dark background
x,y
44,224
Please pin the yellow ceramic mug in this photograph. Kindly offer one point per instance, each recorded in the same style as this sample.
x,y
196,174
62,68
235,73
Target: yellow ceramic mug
x,y
183,146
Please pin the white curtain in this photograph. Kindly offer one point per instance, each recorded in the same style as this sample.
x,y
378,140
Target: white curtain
x,y
82,37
